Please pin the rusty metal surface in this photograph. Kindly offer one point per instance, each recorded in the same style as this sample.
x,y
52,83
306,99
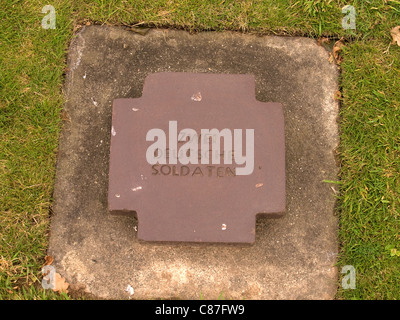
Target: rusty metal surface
x,y
196,202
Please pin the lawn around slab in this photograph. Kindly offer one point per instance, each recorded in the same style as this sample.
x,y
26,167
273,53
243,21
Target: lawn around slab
x,y
32,67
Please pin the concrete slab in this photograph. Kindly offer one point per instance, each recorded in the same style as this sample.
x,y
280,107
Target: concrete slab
x,y
292,257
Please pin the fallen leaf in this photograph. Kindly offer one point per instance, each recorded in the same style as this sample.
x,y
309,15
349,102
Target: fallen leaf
x,y
59,284
395,32
323,40
48,260
331,59
164,13
140,30
337,95
336,50
65,116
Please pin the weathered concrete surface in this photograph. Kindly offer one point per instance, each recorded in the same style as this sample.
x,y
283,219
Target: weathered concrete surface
x,y
292,258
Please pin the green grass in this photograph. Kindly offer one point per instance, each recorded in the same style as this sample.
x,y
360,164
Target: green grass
x,y
370,155
32,64
31,61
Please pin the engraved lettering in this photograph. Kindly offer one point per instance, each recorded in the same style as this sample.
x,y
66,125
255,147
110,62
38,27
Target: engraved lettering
x,y
229,172
165,172
197,171
183,173
210,168
155,171
196,149
220,172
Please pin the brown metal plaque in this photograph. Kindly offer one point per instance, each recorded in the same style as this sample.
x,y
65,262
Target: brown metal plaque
x,y
196,158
